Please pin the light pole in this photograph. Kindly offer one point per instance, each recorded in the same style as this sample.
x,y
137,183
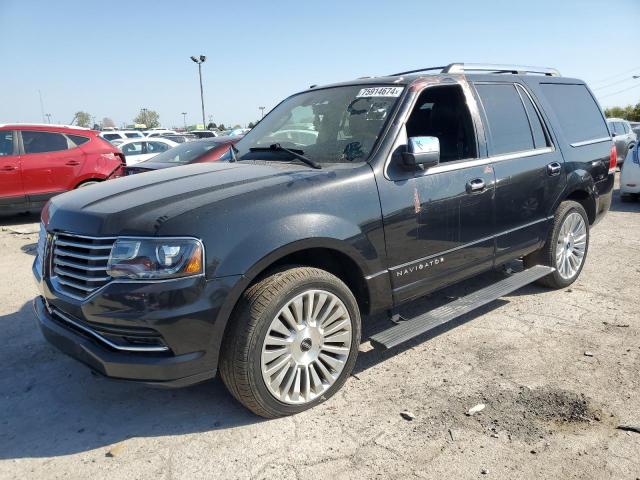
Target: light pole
x,y
48,115
145,118
262,110
200,60
184,119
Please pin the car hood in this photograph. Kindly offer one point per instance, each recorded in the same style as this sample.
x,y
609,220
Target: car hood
x,y
146,204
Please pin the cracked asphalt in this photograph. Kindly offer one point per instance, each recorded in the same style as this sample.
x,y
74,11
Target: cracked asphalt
x,y
557,371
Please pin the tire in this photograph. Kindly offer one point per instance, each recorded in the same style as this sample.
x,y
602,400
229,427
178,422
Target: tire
x,y
550,255
250,360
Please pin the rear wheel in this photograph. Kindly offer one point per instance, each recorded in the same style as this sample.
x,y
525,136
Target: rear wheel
x,y
293,342
566,246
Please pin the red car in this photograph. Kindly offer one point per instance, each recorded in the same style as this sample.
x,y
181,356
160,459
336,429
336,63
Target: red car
x,y
40,161
197,151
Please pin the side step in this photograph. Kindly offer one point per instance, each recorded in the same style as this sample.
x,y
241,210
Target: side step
x,y
413,327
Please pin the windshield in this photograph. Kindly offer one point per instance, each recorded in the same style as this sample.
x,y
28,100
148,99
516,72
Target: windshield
x,y
331,125
184,153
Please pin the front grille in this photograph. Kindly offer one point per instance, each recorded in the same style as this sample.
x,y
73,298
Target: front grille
x,y
79,264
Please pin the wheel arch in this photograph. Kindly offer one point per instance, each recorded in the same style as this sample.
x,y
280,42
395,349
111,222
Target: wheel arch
x,y
587,200
334,256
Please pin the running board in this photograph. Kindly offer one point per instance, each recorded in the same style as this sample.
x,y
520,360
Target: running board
x,y
408,329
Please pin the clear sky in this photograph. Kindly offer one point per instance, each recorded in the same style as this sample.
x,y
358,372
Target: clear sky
x,y
111,58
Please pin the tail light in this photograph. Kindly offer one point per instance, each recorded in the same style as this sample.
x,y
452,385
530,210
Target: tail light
x,y
613,159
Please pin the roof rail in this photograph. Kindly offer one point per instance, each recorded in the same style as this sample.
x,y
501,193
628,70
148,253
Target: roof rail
x,y
486,67
417,71
496,68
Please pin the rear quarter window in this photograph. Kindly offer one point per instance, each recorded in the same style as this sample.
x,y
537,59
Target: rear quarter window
x,y
78,139
577,112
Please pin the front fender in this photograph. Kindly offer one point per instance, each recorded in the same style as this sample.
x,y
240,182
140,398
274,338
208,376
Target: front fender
x,y
293,233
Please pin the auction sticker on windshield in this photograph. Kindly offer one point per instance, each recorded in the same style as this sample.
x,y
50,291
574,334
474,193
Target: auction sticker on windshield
x,y
380,92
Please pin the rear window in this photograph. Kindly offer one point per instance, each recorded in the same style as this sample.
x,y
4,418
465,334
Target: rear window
x,y
78,139
111,136
42,142
577,112
508,124
133,135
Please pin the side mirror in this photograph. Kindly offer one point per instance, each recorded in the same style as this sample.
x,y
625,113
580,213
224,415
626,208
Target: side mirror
x,y
422,151
613,134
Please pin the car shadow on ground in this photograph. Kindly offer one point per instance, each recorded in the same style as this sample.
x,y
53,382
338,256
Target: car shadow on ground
x,y
51,405
7,220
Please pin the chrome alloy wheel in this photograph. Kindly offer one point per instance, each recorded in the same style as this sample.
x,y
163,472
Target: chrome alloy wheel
x,y
306,347
571,246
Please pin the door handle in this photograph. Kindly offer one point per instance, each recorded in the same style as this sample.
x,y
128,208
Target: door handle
x,y
72,163
553,169
8,168
476,185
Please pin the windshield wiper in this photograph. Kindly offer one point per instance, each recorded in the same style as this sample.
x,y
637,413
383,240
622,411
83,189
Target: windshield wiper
x,y
276,147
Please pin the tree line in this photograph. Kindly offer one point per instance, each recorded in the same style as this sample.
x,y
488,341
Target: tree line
x,y
150,118
630,112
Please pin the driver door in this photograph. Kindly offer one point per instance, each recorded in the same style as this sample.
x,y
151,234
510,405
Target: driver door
x,y
438,221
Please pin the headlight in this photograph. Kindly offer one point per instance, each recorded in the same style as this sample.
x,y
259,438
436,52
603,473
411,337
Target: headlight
x,y
156,258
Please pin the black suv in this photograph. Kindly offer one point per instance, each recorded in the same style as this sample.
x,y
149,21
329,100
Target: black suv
x,y
345,200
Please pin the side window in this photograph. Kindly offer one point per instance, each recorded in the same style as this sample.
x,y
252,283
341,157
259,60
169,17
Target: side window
x,y
508,125
42,142
442,112
78,139
157,147
134,148
537,130
578,114
6,143
625,127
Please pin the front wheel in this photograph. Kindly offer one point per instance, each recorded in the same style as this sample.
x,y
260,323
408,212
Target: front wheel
x,y
292,343
566,246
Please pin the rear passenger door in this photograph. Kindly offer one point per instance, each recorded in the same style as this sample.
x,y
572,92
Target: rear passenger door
x,y
50,164
529,170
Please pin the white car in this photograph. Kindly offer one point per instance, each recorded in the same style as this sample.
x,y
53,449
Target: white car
x,y
630,176
122,135
156,132
138,150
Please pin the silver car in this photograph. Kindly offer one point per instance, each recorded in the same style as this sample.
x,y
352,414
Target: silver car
x,y
623,136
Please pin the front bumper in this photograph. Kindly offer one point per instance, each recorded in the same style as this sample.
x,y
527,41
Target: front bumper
x,y
187,317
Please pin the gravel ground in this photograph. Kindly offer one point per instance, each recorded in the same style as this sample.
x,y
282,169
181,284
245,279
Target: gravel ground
x,y
557,372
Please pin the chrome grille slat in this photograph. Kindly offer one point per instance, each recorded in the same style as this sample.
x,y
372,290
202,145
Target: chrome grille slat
x,y
67,253
79,264
69,263
78,286
66,243
78,276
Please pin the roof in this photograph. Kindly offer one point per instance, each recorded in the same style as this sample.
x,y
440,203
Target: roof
x,y
44,125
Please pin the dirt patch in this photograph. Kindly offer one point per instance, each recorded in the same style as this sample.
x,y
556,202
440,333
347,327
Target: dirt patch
x,y
533,414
